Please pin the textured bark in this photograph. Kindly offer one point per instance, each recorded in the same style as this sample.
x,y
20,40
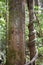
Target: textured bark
x,y
16,42
22,34
31,29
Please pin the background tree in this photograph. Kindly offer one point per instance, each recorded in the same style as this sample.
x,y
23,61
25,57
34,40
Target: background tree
x,y
31,30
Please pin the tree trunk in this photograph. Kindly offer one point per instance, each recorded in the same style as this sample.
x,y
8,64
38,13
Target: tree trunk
x,y
36,2
31,30
22,34
38,6
41,3
16,41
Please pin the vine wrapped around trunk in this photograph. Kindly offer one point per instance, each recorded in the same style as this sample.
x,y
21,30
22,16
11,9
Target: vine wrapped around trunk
x,y
32,32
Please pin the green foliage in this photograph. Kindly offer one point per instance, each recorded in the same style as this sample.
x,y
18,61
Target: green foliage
x,y
40,50
2,9
2,0
2,25
36,7
39,28
27,22
3,28
2,32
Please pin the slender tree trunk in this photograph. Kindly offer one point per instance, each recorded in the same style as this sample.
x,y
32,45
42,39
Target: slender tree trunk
x,y
41,3
37,2
37,5
16,41
31,30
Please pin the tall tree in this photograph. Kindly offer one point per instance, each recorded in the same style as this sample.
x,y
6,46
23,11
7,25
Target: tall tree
x,y
31,30
16,37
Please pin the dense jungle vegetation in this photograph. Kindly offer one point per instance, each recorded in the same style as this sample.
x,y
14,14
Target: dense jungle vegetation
x,y
38,26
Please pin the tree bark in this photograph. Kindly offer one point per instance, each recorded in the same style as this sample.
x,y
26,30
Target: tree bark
x,y
31,30
16,39
22,34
